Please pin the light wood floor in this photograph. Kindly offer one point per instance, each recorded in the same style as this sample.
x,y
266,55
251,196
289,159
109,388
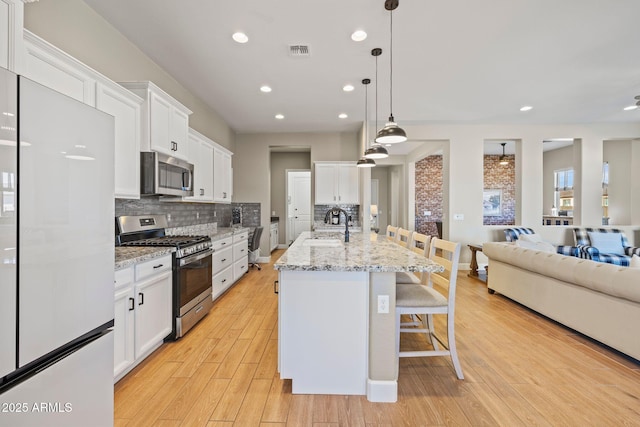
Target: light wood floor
x,y
520,370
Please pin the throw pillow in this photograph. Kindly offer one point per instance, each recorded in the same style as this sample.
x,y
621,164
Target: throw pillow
x,y
635,261
535,238
536,246
607,243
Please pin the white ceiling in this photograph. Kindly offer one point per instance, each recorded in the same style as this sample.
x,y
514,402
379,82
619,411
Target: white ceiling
x,y
574,61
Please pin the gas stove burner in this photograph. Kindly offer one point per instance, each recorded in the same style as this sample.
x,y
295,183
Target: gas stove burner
x,y
176,241
149,230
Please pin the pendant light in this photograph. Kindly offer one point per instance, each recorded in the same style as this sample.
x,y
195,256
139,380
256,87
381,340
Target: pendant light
x,y
503,159
391,133
364,162
376,151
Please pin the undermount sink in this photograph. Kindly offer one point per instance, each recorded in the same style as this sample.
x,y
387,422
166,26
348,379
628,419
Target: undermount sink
x,y
326,243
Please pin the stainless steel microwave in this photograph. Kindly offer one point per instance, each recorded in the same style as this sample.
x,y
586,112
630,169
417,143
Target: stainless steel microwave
x,y
162,175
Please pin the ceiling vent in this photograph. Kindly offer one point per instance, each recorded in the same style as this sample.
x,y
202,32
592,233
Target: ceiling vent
x,y
299,50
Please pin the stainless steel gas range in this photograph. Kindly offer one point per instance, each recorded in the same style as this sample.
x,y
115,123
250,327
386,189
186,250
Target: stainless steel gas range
x,y
192,262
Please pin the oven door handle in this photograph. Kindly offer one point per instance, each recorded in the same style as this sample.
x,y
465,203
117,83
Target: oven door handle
x,y
195,257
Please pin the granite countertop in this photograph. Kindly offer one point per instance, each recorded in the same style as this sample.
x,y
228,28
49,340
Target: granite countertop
x,y
363,252
128,256
223,232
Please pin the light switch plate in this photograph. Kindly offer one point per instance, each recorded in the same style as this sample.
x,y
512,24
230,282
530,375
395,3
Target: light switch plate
x,y
458,217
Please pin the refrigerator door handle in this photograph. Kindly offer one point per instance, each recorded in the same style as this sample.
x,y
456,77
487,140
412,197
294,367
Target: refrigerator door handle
x,y
141,295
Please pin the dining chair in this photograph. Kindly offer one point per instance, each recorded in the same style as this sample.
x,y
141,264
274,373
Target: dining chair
x,y
426,301
420,245
404,237
392,232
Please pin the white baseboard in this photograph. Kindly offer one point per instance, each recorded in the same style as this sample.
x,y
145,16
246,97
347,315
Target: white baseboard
x,y
382,391
283,246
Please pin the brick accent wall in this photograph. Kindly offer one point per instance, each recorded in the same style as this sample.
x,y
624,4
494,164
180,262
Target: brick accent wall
x,y
429,195
501,177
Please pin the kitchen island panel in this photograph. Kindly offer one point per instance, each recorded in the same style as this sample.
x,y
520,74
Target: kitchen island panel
x,y
323,335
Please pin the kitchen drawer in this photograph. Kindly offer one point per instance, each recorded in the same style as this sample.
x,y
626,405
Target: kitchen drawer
x,y
222,259
240,250
241,237
222,243
240,267
222,281
123,277
153,267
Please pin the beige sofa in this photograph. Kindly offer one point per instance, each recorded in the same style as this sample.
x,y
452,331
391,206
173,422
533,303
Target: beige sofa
x,y
599,300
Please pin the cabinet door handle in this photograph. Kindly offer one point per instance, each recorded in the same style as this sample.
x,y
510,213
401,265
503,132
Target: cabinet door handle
x,y
141,295
223,260
157,266
223,280
131,304
275,286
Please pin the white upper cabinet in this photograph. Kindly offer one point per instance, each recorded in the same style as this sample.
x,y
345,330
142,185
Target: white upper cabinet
x,y
11,18
337,183
125,107
51,67
222,176
165,121
201,155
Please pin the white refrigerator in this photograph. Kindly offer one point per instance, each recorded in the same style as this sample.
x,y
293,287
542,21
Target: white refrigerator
x,y
56,258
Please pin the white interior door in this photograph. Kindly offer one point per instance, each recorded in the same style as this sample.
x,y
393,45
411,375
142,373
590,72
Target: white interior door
x,y
299,197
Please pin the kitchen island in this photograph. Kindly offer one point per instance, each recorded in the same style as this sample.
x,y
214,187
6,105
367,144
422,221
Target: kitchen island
x,y
336,313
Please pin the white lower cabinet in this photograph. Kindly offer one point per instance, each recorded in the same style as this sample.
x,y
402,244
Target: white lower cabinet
x,y
123,338
143,314
273,236
240,255
229,261
222,266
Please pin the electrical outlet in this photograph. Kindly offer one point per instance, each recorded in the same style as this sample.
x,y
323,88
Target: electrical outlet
x,y
197,215
458,217
215,214
427,213
383,304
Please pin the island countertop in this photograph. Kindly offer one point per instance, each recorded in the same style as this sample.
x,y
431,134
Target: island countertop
x,y
363,252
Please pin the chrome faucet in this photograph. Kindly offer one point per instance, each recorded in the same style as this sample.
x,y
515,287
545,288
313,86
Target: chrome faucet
x,y
346,221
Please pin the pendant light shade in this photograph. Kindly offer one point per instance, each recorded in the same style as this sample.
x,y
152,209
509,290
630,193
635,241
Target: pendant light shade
x,y
503,159
365,162
376,151
391,133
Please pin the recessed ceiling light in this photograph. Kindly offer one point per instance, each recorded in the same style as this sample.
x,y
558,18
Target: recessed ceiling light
x,y
526,108
279,116
630,107
240,37
358,35
388,145
265,89
342,116
348,88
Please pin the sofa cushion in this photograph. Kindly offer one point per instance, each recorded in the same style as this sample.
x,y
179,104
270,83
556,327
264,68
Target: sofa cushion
x,y
537,246
607,243
534,238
